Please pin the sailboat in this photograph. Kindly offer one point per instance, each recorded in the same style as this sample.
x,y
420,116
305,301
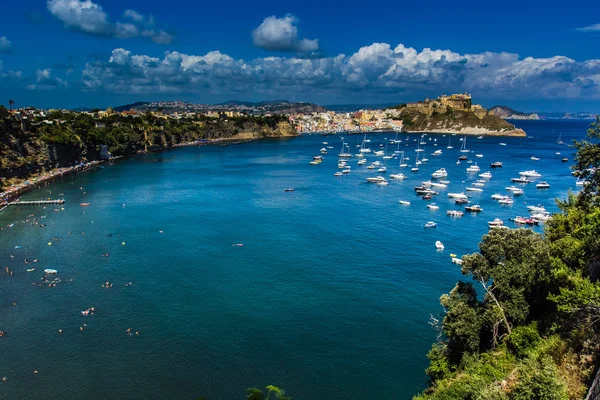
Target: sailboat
x,y
363,147
559,140
449,144
402,163
385,155
417,163
463,148
342,153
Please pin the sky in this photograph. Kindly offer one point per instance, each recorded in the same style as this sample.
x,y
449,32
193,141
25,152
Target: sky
x,y
532,55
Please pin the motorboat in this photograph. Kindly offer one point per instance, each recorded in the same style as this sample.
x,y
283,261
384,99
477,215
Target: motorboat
x,y
445,182
437,153
404,202
518,192
536,209
439,185
376,179
84,204
50,271
323,151
454,213
502,144
506,201
379,153
424,159
426,197
346,171
474,189
397,176
534,158
290,189
474,208
439,245
478,184
496,164
382,170
414,169
440,173
543,185
523,221
337,174
362,162
531,174
521,179
463,148
497,196
457,196
495,222
462,158
430,224
457,261
541,217
564,159
433,206
383,183
473,168
479,155
371,166
486,175
461,201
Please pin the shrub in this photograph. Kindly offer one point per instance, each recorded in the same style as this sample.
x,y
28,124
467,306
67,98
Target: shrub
x,y
523,339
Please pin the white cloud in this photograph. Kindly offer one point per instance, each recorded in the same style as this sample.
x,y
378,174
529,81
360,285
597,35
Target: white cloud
x,y
5,44
88,17
45,81
377,71
590,28
281,34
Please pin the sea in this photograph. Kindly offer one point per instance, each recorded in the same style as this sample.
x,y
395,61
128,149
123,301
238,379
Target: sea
x,y
227,281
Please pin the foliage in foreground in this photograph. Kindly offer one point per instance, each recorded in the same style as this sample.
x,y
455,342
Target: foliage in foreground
x,y
527,325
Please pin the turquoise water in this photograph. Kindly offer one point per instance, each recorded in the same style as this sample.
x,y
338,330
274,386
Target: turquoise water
x,y
330,296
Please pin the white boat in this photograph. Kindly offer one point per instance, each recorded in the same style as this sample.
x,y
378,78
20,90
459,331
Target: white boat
x,y
518,192
474,189
497,196
402,159
376,179
323,151
534,158
362,162
383,183
397,176
445,182
559,140
337,174
463,148
521,179
440,173
486,175
454,213
379,153
541,217
473,168
433,206
437,153
495,222
439,185
543,185
371,166
531,173
404,202
536,209
506,201
457,196
479,155
449,142
424,159
344,153
325,143
478,184
363,148
414,169
439,245
382,169
346,171
430,224
502,144
50,271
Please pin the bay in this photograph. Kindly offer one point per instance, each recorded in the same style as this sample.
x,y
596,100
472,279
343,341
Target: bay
x,y
330,295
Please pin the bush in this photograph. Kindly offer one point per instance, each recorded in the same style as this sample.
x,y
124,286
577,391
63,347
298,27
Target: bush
x,y
539,380
439,368
523,339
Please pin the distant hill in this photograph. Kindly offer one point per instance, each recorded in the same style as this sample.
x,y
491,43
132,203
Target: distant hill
x,y
356,107
128,107
506,112
566,115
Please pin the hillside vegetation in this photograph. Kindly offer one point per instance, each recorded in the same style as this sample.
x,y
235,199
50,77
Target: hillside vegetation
x,y
63,138
525,322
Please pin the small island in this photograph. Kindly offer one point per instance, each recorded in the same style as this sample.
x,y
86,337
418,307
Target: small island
x,y
452,114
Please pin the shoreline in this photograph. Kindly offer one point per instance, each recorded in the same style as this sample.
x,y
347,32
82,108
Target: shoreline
x,y
475,131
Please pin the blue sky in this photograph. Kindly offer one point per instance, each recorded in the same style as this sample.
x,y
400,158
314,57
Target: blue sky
x,y
529,54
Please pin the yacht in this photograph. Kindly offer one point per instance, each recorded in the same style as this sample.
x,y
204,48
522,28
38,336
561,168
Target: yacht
x,y
362,162
323,150
439,185
559,140
437,153
478,184
564,159
474,208
502,144
506,201
337,174
439,245
496,164
363,147
424,159
454,213
541,217
536,209
382,170
397,176
543,185
371,166
457,196
486,175
433,206
402,159
346,171
344,153
379,153
383,183
376,179
520,179
532,173
430,224
479,155
449,142
495,222
534,158
474,189
440,173
498,196
404,202
517,192
473,168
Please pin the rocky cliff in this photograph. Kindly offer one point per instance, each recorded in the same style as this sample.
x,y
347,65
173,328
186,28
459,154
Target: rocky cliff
x,y
505,112
460,122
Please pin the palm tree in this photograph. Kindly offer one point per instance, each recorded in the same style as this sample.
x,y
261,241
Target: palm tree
x,y
10,104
